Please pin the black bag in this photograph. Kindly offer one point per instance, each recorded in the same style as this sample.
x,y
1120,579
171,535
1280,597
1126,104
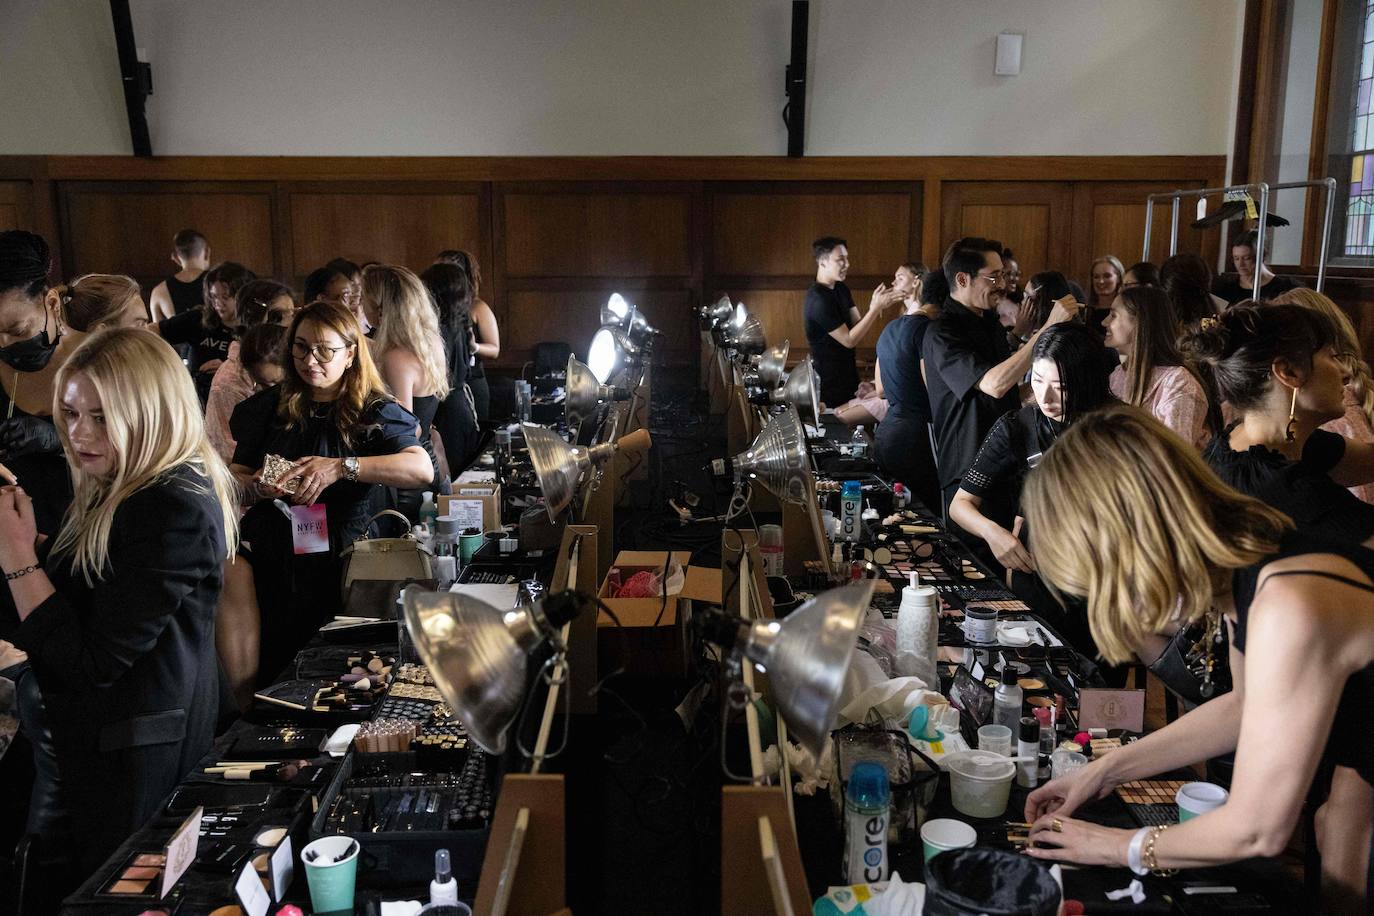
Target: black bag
x,y
964,882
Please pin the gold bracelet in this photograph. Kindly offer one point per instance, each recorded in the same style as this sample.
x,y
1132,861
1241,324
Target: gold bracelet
x,y
1148,856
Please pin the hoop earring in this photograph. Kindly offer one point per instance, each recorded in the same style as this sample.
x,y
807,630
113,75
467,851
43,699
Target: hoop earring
x,y
1288,433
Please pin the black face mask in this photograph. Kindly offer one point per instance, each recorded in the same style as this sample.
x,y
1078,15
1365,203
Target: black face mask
x,y
32,354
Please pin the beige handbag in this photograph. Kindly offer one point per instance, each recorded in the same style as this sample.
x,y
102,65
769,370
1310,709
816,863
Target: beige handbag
x,y
372,559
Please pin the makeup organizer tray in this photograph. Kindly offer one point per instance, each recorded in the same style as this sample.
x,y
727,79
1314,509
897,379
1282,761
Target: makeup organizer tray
x,y
401,814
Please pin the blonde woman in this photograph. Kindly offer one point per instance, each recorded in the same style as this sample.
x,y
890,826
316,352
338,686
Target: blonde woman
x,y
1104,285
1358,422
410,355
98,301
118,610
346,437
1178,544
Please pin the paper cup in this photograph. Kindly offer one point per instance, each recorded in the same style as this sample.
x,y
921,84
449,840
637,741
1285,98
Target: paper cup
x,y
1196,798
331,883
944,834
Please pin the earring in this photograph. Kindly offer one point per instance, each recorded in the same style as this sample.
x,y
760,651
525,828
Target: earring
x,y
1292,418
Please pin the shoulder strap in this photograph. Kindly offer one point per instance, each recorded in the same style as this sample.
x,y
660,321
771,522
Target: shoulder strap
x,y
1344,580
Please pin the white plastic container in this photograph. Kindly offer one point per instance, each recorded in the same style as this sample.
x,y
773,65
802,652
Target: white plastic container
x,y
918,630
980,783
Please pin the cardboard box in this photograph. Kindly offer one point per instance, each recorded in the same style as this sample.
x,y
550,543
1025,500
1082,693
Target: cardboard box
x,y
471,499
652,638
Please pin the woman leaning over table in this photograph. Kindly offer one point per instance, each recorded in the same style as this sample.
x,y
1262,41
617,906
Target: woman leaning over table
x,y
1177,545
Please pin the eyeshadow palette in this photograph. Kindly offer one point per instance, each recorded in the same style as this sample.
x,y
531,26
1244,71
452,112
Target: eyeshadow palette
x,y
139,878
1148,791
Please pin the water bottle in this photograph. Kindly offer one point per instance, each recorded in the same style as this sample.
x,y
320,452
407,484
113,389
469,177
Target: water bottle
x,y
858,443
851,496
446,550
1028,745
1006,702
866,812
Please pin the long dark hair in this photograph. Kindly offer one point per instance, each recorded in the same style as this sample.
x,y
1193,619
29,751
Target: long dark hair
x,y
1049,286
231,274
451,288
1242,344
24,263
1077,353
1187,281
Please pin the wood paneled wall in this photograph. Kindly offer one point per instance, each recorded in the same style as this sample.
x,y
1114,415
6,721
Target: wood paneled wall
x,y
556,236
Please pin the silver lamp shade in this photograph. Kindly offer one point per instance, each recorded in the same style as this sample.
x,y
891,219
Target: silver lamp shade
x,y
477,654
559,466
744,333
778,460
584,393
717,313
805,656
619,313
771,365
801,391
610,353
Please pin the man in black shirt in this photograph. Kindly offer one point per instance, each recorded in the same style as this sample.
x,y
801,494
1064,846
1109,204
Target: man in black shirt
x,y
971,375
833,325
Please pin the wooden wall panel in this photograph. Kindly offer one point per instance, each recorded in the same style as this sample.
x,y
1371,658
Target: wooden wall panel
x,y
780,311
16,205
769,233
129,229
395,228
1109,218
573,316
1031,218
612,234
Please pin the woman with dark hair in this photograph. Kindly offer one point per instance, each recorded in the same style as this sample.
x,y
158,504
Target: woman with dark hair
x,y
1241,286
209,330
450,288
902,443
1277,367
1067,383
485,342
1042,291
869,406
31,352
1142,273
345,437
1142,327
1187,281
259,302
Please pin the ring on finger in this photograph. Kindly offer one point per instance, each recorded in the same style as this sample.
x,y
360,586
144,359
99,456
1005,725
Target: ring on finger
x,y
1057,825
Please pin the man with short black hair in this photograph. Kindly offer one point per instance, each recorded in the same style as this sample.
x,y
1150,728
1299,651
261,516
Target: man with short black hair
x,y
182,291
833,325
971,374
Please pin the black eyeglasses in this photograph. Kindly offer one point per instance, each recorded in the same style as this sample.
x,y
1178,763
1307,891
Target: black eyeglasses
x,y
323,353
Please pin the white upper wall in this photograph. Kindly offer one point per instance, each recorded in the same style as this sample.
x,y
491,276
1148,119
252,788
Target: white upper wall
x,y
622,77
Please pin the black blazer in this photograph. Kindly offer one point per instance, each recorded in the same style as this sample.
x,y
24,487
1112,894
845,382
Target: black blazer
x,y
127,666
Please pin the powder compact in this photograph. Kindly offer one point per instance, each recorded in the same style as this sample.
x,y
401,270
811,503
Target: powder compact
x,y
139,878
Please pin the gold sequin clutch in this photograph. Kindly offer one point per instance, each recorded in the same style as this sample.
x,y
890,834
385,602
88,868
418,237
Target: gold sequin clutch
x,y
274,468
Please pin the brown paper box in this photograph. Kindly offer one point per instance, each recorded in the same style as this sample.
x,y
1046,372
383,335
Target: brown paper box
x,y
638,645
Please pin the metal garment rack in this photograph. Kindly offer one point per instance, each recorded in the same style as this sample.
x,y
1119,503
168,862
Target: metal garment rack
x,y
1262,190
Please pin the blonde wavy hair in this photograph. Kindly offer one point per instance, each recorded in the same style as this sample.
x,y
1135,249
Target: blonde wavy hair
x,y
154,423
1348,351
94,301
1093,302
1125,514
409,321
362,387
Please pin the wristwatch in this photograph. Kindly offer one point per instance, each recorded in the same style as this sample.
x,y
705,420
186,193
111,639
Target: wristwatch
x,y
351,466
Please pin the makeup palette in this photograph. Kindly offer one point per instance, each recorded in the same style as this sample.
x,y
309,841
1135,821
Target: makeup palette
x,y
139,878
1148,791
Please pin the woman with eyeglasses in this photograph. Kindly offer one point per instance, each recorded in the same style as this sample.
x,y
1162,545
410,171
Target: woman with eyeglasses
x,y
209,330
345,437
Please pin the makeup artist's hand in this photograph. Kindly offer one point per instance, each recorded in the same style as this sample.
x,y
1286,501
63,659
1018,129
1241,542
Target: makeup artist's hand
x,y
10,655
18,530
1078,841
8,476
315,474
1009,550
1065,795
21,436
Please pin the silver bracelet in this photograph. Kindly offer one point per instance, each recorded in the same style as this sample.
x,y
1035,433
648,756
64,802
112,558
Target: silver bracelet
x,y
1133,852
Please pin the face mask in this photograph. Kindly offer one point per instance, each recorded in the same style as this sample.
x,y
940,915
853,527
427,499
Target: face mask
x,y
32,354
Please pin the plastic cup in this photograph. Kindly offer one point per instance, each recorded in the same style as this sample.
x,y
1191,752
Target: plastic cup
x,y
1062,763
469,544
944,834
1196,798
980,782
331,883
995,739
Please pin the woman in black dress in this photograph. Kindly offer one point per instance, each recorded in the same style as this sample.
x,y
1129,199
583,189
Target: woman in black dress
x,y
1127,516
118,610
346,436
209,330
451,290
410,356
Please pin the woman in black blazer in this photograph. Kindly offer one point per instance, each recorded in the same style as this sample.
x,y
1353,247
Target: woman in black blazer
x,y
117,612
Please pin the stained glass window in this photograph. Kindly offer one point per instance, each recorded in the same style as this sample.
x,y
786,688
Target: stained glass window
x,y
1359,209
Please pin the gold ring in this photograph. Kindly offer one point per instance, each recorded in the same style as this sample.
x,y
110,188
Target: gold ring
x,y
1057,825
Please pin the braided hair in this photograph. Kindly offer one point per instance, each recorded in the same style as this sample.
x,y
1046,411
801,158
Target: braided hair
x,y
24,263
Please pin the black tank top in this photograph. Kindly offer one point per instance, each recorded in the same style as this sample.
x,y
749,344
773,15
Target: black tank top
x,y
185,296
1352,733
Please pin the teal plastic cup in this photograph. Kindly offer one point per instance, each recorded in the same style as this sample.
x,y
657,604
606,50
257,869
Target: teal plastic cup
x,y
469,544
943,834
1196,798
331,883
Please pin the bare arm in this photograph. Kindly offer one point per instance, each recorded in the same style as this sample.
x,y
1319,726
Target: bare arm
x,y
878,378
850,337
488,332
401,372
1006,375
160,302
966,511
